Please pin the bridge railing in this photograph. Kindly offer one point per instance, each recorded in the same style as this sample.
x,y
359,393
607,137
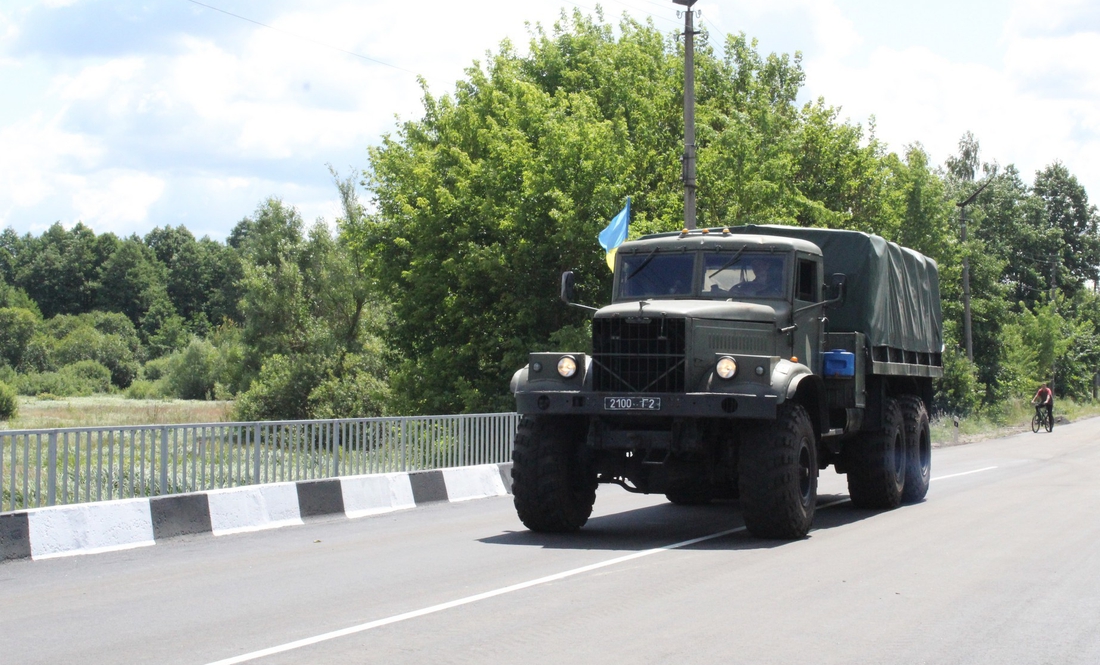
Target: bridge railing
x,y
48,467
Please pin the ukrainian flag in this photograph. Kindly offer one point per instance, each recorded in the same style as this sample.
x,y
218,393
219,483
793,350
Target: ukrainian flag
x,y
615,233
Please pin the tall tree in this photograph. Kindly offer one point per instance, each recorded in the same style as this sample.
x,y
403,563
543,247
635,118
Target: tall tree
x,y
131,280
504,184
59,269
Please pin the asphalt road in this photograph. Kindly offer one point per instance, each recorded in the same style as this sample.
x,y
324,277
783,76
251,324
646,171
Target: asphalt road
x,y
1001,564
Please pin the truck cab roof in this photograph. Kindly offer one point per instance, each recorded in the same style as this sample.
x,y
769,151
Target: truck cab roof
x,y
717,240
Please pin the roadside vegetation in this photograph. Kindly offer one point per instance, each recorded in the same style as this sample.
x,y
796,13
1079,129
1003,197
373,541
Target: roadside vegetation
x,y
426,298
114,410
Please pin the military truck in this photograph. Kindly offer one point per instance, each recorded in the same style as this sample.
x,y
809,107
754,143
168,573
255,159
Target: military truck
x,y
728,366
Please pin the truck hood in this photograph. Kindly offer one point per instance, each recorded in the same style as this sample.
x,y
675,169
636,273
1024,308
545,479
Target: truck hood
x,y
725,310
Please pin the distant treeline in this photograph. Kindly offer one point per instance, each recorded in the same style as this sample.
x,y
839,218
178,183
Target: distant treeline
x,y
428,302
171,316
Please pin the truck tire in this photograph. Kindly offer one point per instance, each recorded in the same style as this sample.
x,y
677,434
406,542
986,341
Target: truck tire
x,y
877,463
918,441
553,486
778,475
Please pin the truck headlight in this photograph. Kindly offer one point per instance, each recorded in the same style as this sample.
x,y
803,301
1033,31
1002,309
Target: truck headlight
x,y
567,367
726,367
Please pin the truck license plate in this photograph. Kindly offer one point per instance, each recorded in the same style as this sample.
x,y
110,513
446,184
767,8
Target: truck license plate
x,y
632,403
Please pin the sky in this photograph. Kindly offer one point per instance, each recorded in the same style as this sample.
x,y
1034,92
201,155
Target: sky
x,y
127,114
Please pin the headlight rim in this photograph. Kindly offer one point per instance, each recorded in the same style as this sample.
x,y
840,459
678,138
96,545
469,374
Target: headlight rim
x,y
571,369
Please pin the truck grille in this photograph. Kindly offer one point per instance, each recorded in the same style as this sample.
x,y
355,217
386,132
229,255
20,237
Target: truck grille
x,y
638,355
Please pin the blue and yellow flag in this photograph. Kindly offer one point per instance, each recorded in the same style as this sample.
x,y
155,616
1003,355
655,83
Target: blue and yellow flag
x,y
615,233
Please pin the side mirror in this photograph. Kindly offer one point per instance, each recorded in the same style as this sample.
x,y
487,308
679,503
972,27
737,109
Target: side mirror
x,y
837,287
567,286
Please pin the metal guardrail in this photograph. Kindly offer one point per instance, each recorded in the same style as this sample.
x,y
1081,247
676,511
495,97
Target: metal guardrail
x,y
50,467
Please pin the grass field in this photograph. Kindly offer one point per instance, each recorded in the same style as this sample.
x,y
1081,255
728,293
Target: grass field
x,y
104,411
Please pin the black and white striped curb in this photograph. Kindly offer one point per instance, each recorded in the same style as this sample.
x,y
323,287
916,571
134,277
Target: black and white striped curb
x,y
105,526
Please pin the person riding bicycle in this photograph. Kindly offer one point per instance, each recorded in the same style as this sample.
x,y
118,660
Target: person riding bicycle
x,y
1044,397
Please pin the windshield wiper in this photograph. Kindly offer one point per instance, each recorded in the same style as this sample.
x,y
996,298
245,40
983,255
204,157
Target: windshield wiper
x,y
729,263
648,258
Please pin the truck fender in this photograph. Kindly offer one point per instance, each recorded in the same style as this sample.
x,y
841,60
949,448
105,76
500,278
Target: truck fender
x,y
812,397
519,380
786,376
797,381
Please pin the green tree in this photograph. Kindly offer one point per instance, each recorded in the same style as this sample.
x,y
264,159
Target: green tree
x,y
1073,221
131,280
17,328
499,187
59,270
270,236
310,317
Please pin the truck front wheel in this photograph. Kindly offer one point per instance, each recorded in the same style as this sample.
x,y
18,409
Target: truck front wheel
x,y
778,475
918,441
877,462
553,485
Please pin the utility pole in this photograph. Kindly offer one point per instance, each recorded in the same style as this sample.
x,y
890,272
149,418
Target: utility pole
x,y
689,113
966,271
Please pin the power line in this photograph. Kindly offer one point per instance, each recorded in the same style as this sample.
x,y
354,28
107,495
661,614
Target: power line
x,y
302,37
715,28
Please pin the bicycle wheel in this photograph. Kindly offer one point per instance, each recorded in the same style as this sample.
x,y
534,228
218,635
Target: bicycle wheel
x,y
1049,422
1035,423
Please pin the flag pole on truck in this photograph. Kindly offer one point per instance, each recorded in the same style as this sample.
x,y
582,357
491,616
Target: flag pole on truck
x,y
689,113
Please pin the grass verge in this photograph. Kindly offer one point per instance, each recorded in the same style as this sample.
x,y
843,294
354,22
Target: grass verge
x,y
107,411
1010,418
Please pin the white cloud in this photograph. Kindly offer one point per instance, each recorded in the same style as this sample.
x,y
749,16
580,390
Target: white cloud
x,y
33,153
202,131
1039,105
116,200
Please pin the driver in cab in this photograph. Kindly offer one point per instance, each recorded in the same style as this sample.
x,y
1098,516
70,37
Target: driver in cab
x,y
766,280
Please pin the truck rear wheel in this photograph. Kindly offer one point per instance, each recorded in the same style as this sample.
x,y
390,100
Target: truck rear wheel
x,y
778,475
918,441
877,463
553,486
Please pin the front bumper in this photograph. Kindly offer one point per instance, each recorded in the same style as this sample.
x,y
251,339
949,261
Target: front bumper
x,y
673,405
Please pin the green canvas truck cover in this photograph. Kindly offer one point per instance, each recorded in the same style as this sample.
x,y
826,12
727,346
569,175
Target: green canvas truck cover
x,y
893,293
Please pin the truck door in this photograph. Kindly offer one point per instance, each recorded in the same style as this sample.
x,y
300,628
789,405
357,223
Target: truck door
x,y
807,291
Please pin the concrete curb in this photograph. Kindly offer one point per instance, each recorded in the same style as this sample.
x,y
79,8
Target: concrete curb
x,y
105,526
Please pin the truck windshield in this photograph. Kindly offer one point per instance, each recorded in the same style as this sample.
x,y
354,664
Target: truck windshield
x,y
748,275
655,275
736,275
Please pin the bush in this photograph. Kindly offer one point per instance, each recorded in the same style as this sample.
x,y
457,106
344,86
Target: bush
x,y
357,393
142,389
192,370
9,406
17,327
80,379
158,368
958,392
91,373
38,355
111,350
281,391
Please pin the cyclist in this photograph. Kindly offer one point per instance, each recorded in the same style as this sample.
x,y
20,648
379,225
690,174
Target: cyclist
x,y
1044,398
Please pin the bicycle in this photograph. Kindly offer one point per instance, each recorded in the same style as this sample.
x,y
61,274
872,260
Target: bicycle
x,y
1041,419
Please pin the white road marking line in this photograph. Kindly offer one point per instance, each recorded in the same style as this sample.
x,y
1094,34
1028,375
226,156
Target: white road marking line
x,y
324,637
370,625
965,473
953,475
